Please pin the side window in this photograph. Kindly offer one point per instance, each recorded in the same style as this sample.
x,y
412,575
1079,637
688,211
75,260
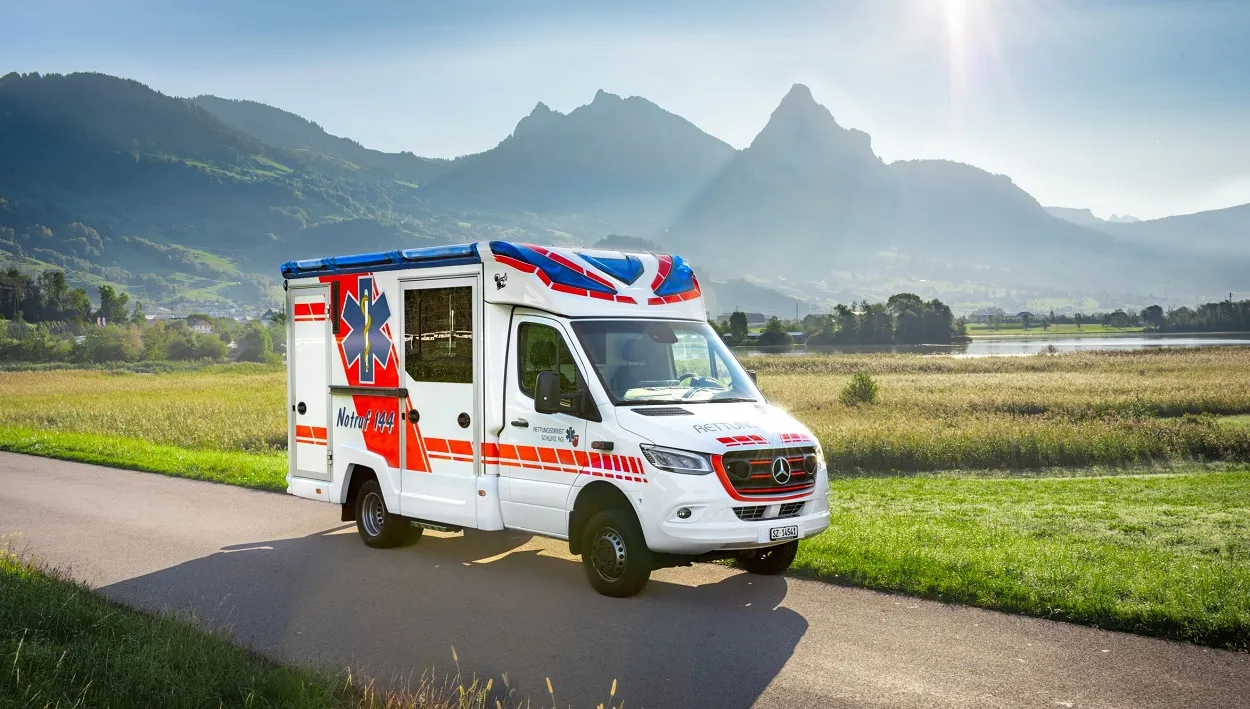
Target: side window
x,y
438,334
539,348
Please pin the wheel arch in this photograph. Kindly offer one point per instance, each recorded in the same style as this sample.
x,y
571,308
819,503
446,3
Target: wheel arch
x,y
592,499
355,476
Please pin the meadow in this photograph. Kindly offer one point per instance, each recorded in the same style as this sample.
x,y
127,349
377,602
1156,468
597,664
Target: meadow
x,y
932,413
1107,488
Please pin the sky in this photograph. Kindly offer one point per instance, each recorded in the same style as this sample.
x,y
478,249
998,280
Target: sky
x,y
1137,107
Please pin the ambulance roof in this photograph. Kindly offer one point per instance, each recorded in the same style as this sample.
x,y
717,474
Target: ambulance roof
x,y
567,280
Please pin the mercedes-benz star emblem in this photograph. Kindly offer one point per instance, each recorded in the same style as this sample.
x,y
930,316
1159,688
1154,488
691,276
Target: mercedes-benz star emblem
x,y
781,471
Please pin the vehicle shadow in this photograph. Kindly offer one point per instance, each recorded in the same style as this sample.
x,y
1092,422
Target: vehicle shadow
x,y
507,607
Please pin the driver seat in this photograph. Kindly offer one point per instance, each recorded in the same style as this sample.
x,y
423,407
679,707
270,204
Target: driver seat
x,y
634,370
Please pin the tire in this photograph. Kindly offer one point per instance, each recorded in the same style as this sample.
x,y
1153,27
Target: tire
x,y
768,561
378,527
615,554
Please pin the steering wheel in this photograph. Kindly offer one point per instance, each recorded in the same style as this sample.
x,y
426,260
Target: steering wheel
x,y
689,375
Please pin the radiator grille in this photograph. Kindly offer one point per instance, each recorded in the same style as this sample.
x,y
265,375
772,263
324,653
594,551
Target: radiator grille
x,y
750,471
790,509
749,513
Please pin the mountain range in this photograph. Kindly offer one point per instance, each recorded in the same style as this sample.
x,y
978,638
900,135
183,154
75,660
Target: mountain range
x,y
191,203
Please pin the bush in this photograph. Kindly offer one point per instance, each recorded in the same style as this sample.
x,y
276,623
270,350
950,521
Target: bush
x,y
862,389
193,345
774,335
111,343
256,344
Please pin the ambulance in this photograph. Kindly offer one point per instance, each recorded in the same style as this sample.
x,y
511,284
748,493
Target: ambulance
x,y
572,393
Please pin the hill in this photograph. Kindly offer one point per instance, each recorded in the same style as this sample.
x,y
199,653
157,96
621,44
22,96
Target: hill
x,y
192,203
120,184
620,164
823,202
286,130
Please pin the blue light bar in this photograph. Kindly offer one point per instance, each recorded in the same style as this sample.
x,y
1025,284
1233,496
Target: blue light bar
x,y
428,257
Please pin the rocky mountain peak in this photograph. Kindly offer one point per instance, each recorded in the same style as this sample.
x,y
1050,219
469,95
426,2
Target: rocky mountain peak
x,y
538,119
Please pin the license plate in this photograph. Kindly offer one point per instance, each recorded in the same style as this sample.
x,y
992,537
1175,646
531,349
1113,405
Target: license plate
x,y
779,533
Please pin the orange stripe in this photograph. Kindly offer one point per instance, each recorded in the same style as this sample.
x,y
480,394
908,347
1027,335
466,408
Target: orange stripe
x,y
566,456
583,460
528,453
461,447
437,445
490,450
548,455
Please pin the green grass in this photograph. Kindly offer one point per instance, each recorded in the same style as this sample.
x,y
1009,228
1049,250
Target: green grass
x,y
64,646
1242,421
1165,555
1015,329
263,471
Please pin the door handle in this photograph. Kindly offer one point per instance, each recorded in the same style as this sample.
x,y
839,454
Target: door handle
x,y
521,423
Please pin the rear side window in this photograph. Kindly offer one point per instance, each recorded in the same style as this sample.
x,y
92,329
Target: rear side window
x,y
539,348
438,334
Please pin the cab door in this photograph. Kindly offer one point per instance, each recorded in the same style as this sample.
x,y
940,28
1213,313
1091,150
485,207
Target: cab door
x,y
441,445
540,455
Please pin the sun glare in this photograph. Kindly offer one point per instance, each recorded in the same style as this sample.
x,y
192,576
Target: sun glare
x,y
956,12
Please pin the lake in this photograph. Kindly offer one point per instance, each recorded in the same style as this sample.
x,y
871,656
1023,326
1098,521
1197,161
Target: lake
x,y
987,346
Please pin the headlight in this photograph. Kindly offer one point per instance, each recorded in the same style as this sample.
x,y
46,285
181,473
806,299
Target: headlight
x,y
675,461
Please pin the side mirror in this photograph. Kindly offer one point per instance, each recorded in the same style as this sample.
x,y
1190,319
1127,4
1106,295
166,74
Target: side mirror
x,y
548,398
751,374
547,393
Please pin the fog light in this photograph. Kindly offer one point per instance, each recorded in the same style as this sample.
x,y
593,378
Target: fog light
x,y
683,513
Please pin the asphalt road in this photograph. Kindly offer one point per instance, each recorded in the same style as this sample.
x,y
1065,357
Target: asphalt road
x,y
290,580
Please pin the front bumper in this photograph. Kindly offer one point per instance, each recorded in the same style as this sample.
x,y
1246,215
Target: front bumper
x,y
713,525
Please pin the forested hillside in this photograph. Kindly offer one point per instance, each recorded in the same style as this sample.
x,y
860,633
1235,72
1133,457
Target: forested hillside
x,y
192,203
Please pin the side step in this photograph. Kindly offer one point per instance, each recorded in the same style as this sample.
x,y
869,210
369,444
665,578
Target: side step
x,y
436,526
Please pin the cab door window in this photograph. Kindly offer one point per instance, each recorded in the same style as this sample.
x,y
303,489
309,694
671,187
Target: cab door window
x,y
541,348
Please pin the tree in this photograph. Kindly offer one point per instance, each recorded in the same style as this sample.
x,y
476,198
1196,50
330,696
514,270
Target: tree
x,y
1025,319
1079,318
1153,317
256,344
112,343
193,345
136,316
112,305
775,335
1118,319
738,327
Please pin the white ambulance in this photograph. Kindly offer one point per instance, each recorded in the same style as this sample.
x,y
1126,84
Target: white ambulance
x,y
572,393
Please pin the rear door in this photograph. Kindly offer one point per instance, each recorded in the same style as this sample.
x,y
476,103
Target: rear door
x,y
443,427
540,455
308,370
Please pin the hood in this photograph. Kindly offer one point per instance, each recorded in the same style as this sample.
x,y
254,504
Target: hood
x,y
714,428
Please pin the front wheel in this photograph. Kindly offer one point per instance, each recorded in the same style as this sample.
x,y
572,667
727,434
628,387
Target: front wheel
x,y
378,527
768,561
615,554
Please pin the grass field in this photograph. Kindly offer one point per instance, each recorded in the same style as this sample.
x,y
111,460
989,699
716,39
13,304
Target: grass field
x,y
1042,519
1069,410
1165,555
1015,329
64,646
932,413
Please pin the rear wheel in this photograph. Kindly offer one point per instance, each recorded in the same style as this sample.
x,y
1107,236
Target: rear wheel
x,y
378,527
768,561
615,554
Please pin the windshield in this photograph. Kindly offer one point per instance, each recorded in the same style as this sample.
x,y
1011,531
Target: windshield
x,y
659,362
